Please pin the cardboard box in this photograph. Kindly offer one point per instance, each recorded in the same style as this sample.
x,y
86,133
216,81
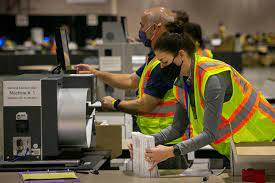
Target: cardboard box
x,y
108,137
256,155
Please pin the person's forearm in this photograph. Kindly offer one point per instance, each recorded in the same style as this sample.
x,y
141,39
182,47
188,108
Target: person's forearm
x,y
175,130
167,135
195,143
122,81
133,106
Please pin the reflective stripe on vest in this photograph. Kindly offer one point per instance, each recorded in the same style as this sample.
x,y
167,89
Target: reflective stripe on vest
x,y
266,109
228,127
246,109
242,84
180,95
205,52
164,108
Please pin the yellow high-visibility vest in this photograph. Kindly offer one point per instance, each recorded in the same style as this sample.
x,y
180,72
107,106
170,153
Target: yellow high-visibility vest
x,y
162,116
204,52
246,117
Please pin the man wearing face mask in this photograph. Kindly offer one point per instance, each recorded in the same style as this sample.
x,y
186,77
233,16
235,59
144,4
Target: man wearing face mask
x,y
156,103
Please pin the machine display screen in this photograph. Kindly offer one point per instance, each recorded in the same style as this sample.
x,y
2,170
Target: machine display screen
x,y
62,50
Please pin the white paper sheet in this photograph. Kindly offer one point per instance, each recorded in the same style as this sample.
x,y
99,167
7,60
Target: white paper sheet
x,y
140,166
72,121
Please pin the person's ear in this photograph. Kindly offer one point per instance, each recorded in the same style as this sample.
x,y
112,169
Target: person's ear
x,y
197,44
183,54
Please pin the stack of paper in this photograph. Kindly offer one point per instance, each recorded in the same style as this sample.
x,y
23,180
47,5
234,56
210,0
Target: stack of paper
x,y
140,166
48,177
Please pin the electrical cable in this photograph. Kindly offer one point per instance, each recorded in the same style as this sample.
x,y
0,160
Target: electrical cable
x,y
20,157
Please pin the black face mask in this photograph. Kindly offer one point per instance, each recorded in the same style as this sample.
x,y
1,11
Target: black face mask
x,y
171,72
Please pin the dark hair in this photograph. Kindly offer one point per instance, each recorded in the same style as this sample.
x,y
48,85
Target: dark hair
x,y
181,16
175,27
237,35
193,29
174,42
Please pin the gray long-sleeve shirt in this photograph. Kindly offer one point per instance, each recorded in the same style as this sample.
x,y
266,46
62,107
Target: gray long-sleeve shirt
x,y
218,90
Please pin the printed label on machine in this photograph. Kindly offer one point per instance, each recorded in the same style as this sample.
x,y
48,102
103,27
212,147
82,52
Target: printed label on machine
x,y
22,93
21,146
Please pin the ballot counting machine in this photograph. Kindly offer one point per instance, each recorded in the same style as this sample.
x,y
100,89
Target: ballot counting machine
x,y
49,121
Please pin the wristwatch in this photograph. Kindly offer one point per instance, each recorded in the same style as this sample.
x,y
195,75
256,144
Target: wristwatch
x,y
116,103
176,150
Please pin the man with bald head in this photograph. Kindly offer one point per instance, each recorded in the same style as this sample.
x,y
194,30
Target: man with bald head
x,y
152,24
155,105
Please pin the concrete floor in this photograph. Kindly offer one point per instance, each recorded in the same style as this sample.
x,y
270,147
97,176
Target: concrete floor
x,y
258,75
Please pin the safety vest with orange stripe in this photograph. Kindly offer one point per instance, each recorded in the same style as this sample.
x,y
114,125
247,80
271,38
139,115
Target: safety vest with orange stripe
x,y
204,52
181,95
246,117
162,116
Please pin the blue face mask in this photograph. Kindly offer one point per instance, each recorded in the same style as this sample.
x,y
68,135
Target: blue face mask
x,y
144,39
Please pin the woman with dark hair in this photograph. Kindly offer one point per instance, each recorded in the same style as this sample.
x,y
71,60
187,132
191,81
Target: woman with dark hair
x,y
221,105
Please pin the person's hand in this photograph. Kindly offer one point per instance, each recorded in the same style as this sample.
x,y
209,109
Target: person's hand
x,y
130,146
158,154
85,69
131,39
106,102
